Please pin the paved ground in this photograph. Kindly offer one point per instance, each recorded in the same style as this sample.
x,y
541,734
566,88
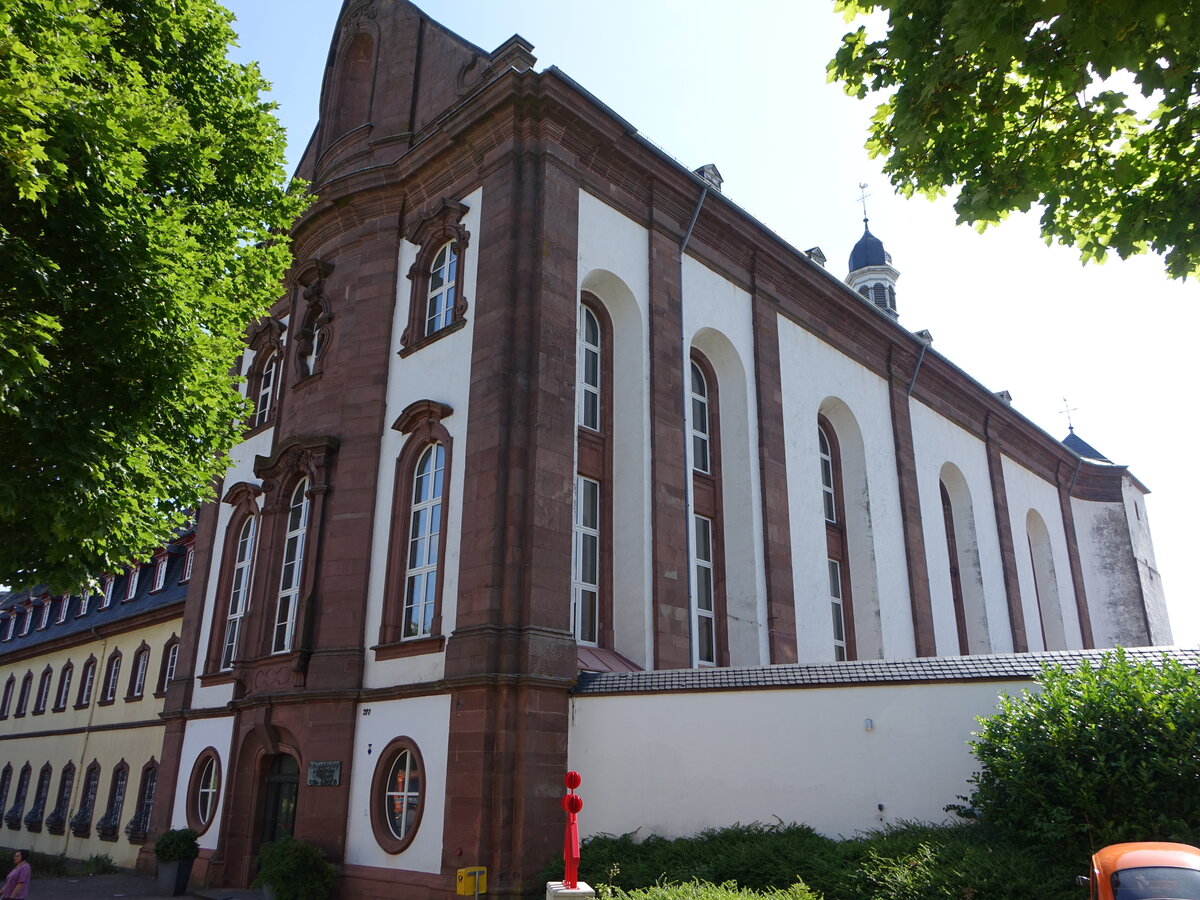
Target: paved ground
x,y
112,887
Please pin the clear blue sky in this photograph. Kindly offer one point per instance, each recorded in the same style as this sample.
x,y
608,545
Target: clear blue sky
x,y
743,86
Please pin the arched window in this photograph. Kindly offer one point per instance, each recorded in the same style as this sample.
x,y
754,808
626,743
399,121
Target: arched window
x,y
81,822
587,382
37,812
6,704
239,592
264,393
397,795
137,673
110,823
112,677
57,820
710,643
166,669
837,557
5,783
204,790
43,691
17,811
23,697
63,696
416,555
437,306
87,680
137,827
292,572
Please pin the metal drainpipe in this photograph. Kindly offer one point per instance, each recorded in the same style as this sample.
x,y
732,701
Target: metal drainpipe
x,y
917,368
687,494
87,734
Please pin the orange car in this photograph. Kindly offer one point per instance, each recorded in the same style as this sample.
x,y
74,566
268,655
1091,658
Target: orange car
x,y
1145,871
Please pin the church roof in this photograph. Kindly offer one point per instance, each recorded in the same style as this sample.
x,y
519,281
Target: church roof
x,y
868,251
1076,444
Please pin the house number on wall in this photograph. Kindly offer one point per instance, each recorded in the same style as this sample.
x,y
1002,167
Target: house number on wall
x,y
325,774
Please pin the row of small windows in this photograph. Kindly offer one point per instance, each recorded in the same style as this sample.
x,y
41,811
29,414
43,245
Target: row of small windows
x,y
42,610
80,819
110,683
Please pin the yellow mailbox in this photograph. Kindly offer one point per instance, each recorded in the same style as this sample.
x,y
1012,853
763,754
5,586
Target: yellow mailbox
x,y
472,881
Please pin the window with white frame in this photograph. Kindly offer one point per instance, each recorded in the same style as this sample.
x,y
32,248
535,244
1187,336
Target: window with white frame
x,y
239,592
189,559
160,572
43,693
266,390
585,562
6,704
827,486
699,421
112,677
443,283
12,624
424,543
137,682
86,681
132,582
588,370
293,571
706,622
839,614
106,597
65,607
46,604
64,687
28,620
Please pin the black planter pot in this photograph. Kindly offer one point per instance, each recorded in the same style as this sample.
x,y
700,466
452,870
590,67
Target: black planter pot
x,y
173,877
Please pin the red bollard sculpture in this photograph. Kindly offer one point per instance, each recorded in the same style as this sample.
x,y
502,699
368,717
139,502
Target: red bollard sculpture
x,y
572,804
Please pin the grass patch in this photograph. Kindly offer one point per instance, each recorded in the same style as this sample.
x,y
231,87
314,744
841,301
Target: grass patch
x,y
910,861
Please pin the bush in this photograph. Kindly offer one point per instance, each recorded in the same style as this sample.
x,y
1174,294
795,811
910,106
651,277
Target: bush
x,y
294,870
909,861
175,844
1100,755
99,864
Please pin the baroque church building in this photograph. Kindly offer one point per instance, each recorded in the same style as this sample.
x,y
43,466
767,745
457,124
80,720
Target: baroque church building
x,y
559,459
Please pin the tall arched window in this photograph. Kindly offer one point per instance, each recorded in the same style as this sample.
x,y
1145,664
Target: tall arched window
x,y
264,393
110,823
87,680
112,677
81,822
293,569
591,588
443,282
57,820
424,542
43,691
137,673
837,558
138,826
710,641
6,704
63,697
37,812
239,592
16,812
23,696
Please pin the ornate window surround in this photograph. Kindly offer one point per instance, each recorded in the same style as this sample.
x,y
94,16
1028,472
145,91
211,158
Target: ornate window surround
x,y
422,422
438,226
315,315
265,341
380,783
243,497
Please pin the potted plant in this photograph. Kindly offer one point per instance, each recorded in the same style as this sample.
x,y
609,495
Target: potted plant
x,y
175,849
293,870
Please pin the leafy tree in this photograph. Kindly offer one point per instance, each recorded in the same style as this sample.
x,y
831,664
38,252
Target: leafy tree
x,y
141,196
1087,110
1104,754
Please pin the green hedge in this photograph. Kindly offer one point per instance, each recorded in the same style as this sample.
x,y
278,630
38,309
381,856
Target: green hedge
x,y
905,862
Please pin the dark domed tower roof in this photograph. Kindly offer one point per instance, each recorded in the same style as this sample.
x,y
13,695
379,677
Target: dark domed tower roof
x,y
868,251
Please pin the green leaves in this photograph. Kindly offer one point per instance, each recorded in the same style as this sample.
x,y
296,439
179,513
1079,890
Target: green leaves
x,y
1097,756
143,206
1090,111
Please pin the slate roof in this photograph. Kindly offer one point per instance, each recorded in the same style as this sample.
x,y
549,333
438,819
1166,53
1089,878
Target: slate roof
x,y
144,600
1079,446
868,252
994,667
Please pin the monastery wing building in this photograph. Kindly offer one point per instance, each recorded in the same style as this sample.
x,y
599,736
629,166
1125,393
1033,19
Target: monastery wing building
x,y
560,459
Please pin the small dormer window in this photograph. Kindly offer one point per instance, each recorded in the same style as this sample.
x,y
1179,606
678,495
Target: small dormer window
x,y
45,613
28,621
160,572
12,624
188,560
106,597
132,583
84,599
66,607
